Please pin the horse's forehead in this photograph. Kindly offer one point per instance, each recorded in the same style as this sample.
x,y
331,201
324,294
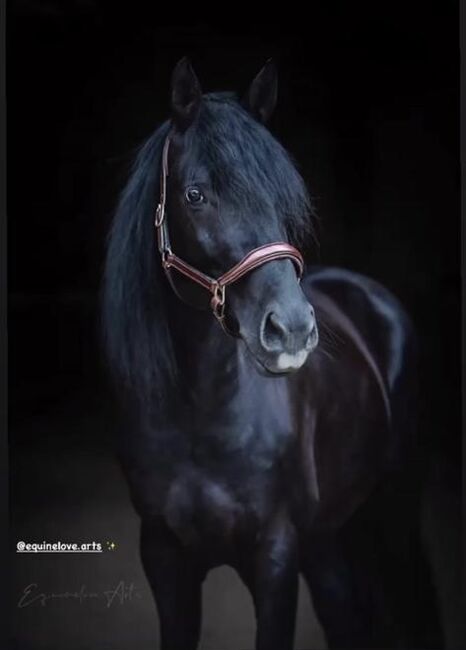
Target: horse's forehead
x,y
222,163
191,164
243,162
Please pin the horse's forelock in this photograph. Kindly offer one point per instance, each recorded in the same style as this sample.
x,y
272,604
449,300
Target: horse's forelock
x,y
247,164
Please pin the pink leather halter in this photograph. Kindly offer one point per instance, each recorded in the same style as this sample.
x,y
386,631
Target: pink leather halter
x,y
215,286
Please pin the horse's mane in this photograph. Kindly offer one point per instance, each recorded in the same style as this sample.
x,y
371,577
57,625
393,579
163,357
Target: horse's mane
x,y
136,335
245,162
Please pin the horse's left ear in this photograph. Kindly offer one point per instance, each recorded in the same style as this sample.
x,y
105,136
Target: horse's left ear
x,y
261,98
185,94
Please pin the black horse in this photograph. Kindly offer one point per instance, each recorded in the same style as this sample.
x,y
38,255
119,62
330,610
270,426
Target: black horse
x,y
259,447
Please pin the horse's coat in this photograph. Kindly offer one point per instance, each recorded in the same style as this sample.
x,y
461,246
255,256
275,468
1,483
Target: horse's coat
x,y
225,463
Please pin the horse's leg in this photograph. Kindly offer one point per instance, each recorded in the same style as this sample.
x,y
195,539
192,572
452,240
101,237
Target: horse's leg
x,y
270,572
176,583
346,598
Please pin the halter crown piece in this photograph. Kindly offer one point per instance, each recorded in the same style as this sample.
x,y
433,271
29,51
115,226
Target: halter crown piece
x,y
215,286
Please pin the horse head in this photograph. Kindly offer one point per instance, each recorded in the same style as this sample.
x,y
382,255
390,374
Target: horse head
x,y
231,193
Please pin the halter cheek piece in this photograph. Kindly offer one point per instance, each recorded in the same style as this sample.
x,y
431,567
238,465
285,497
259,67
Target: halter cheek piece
x,y
216,287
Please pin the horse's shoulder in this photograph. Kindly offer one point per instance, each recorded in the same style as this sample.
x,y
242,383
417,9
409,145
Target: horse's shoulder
x,y
358,314
377,316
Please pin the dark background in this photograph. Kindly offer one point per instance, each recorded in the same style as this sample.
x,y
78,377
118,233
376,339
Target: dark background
x,y
368,106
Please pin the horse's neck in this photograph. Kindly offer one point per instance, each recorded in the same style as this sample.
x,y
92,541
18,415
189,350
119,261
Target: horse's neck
x,y
209,360
228,400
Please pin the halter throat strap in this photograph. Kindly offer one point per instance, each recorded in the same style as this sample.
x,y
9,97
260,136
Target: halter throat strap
x,y
216,286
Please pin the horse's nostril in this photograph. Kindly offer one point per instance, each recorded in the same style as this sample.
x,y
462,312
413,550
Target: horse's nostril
x,y
274,332
276,325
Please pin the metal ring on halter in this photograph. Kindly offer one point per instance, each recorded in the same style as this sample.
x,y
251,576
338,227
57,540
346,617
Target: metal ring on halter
x,y
166,258
217,303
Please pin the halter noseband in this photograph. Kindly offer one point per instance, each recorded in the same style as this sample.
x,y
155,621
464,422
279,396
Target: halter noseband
x,y
255,258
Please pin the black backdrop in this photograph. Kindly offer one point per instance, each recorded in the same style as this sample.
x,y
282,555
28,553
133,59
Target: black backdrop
x,y
368,105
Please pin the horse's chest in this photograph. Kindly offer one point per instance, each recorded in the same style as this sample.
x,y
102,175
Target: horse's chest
x,y
199,507
211,482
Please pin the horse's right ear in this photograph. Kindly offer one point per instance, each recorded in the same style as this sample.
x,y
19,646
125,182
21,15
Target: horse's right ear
x,y
185,95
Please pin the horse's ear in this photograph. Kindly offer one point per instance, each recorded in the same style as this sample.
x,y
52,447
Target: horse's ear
x,y
185,94
261,97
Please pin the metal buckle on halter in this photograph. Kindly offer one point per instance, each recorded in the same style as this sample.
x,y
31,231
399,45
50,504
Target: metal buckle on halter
x,y
162,239
218,300
159,214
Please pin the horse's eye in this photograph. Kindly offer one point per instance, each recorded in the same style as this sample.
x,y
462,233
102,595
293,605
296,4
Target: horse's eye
x,y
194,195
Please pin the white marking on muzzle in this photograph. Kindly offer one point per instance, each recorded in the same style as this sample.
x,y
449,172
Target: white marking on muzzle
x,y
287,361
